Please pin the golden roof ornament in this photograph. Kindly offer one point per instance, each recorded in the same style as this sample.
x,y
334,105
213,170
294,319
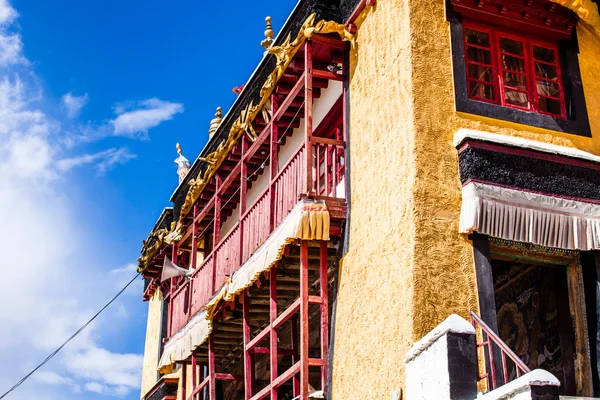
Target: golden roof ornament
x,y
183,165
268,42
215,122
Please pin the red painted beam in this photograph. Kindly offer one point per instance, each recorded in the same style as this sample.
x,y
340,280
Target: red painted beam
x,y
324,280
273,330
304,329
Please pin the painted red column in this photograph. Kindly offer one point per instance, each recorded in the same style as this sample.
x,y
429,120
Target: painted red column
x,y
212,384
184,381
324,314
295,339
304,320
273,338
216,231
194,372
243,193
273,162
248,364
308,112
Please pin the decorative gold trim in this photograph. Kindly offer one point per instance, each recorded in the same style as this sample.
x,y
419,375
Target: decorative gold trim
x,y
532,251
243,124
586,10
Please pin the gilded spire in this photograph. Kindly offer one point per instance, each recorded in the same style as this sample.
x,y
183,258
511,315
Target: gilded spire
x,y
215,122
183,165
268,34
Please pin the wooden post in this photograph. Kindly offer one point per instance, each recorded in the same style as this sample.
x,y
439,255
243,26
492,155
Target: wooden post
x,y
184,380
273,333
308,106
304,320
194,371
212,389
583,368
216,231
248,367
243,194
172,289
487,300
194,253
324,280
296,353
273,162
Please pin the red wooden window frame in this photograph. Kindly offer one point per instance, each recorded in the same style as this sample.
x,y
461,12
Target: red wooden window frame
x,y
497,83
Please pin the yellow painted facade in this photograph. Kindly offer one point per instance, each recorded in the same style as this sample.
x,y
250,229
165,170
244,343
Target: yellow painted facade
x,y
407,267
151,349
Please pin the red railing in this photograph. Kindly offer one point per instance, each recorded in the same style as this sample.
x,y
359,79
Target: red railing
x,y
289,183
202,286
180,304
512,366
227,257
255,224
329,165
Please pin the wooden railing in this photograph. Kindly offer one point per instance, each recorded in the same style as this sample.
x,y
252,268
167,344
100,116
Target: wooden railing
x,y
256,224
288,184
511,365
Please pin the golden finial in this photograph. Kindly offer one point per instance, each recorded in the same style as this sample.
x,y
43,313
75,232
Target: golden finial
x,y
214,123
268,34
178,147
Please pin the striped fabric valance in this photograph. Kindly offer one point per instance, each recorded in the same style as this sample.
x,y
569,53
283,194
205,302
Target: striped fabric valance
x,y
527,191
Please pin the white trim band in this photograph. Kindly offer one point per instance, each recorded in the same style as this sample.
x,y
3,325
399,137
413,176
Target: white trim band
x,y
463,134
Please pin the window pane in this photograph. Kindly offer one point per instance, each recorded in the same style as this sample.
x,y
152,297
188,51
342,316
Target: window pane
x,y
515,81
479,55
511,46
545,71
548,88
551,106
481,90
543,54
516,98
478,38
513,63
480,72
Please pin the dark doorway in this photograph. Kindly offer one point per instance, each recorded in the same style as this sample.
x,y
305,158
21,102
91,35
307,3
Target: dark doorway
x,y
534,320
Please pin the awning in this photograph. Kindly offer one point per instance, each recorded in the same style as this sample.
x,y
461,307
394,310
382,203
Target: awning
x,y
527,191
308,220
523,216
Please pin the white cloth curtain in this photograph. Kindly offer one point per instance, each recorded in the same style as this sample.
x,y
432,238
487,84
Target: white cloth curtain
x,y
530,217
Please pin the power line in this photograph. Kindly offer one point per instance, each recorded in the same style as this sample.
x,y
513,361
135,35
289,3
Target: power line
x,y
55,352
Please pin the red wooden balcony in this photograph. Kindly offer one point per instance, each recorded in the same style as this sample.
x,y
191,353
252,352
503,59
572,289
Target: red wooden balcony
x,y
272,205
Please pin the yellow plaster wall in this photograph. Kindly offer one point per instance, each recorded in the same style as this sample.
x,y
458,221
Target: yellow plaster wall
x,y
407,267
374,309
444,277
149,372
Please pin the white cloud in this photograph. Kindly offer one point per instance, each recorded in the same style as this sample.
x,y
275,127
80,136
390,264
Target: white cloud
x,y
57,281
73,104
11,45
131,121
103,160
124,274
7,13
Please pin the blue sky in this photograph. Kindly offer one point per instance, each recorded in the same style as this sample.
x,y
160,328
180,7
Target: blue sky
x,y
93,97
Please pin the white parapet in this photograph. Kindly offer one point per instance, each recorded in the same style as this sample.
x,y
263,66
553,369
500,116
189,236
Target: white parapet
x,y
443,365
525,387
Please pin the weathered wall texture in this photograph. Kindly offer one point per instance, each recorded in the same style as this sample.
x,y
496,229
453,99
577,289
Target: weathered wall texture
x,y
407,267
373,330
149,373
